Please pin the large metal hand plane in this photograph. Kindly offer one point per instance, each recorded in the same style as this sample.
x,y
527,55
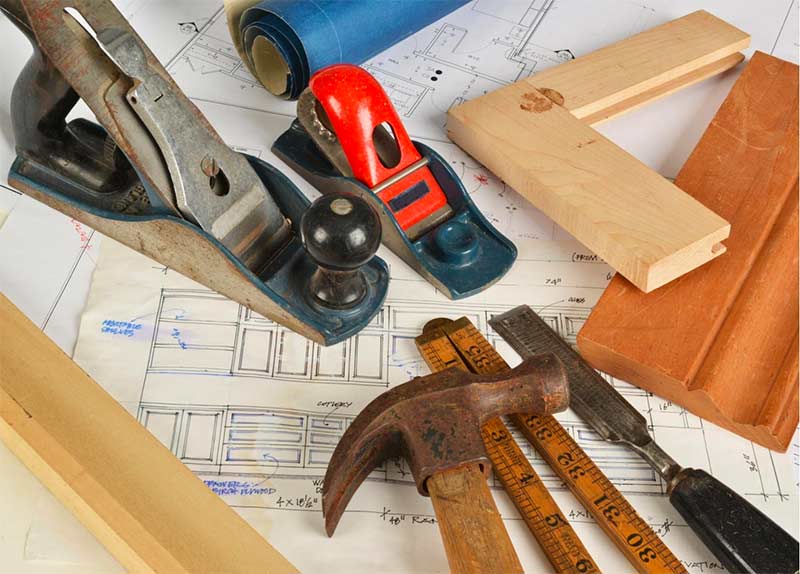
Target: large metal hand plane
x,y
158,178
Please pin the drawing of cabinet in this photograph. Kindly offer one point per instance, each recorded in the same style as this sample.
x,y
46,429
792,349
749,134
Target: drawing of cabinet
x,y
195,332
289,443
192,434
198,331
242,440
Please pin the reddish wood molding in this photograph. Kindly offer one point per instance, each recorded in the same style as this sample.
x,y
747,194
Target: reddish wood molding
x,y
721,341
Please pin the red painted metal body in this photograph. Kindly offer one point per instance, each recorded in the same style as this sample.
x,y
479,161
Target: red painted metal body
x,y
356,105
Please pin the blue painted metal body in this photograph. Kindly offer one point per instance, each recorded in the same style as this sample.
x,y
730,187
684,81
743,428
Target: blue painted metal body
x,y
462,256
284,280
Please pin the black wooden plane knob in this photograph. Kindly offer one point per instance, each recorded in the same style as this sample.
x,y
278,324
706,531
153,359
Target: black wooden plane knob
x,y
341,233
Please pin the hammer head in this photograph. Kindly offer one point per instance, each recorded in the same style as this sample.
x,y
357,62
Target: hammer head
x,y
434,422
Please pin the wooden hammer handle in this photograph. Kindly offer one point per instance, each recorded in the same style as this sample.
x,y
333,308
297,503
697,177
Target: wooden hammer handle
x,y
475,539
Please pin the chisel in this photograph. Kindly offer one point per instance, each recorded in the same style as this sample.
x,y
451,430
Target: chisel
x,y
739,535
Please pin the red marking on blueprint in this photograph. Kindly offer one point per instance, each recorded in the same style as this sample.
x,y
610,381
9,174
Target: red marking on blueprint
x,y
82,233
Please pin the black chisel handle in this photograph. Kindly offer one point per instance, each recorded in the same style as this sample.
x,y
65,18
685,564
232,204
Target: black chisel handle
x,y
739,535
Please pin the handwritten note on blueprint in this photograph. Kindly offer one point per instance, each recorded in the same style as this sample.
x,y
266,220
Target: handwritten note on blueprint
x,y
256,410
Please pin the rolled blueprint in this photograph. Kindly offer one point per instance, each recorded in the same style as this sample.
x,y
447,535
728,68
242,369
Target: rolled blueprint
x,y
283,42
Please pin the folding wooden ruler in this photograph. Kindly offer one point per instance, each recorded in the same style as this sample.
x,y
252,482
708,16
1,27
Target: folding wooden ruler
x,y
444,344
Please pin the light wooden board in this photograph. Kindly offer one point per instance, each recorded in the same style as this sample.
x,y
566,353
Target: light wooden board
x,y
674,54
721,341
146,507
530,134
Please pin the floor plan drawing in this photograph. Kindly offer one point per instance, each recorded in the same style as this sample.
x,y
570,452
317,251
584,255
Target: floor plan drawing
x,y
201,332
198,332
241,441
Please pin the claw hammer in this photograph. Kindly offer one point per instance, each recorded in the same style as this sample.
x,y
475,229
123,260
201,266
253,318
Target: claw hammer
x,y
434,422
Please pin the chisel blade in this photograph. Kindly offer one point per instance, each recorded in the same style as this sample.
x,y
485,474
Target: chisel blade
x,y
593,399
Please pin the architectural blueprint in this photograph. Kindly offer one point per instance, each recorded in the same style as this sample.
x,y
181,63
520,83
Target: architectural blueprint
x,y
256,410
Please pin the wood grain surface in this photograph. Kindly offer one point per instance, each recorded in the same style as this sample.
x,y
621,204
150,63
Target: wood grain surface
x,y
637,69
534,134
719,340
474,537
142,503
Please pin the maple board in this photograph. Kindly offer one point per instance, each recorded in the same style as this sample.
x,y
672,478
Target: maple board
x,y
149,511
535,135
721,341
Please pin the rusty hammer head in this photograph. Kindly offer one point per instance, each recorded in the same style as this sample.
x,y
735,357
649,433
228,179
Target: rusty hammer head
x,y
434,422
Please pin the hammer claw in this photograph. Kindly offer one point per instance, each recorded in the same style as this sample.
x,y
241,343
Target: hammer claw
x,y
347,471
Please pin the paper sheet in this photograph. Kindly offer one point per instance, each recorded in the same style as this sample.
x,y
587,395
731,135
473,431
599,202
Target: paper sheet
x,y
46,259
256,410
47,275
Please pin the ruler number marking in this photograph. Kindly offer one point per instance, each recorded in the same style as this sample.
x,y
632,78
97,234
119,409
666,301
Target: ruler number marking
x,y
632,535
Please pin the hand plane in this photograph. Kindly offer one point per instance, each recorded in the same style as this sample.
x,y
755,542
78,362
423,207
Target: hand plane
x,y
348,137
158,178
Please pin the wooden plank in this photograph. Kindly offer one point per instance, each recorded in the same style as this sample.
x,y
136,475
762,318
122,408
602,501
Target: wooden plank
x,y
637,221
146,507
745,363
642,98
677,53
718,341
529,134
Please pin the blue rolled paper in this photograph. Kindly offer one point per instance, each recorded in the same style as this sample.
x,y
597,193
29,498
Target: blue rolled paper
x,y
304,36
